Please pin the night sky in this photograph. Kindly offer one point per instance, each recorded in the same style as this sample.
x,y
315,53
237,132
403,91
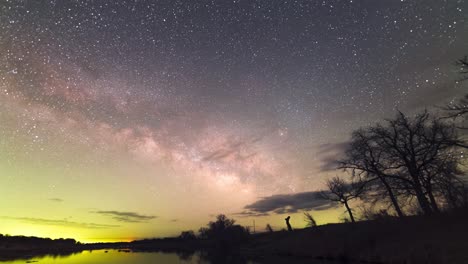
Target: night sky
x,y
144,118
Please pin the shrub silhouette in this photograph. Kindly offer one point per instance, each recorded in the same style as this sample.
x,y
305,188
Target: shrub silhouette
x,y
224,232
309,220
187,235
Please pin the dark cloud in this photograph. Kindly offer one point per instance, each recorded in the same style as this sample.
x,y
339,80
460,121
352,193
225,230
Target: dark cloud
x,y
330,153
56,200
251,214
288,203
329,163
128,217
333,147
55,222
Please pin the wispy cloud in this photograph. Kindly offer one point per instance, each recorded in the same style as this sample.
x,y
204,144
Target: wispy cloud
x,y
287,203
250,214
333,147
128,217
232,149
58,200
330,153
59,222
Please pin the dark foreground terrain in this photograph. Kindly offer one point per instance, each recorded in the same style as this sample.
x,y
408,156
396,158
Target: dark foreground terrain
x,y
435,239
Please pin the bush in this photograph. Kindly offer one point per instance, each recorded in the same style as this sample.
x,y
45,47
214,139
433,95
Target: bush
x,y
187,235
224,231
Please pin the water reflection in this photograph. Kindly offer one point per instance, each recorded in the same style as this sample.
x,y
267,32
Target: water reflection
x,y
129,257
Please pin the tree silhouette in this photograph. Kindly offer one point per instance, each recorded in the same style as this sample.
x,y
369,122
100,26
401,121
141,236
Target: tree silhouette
x,y
459,109
216,228
366,158
407,156
224,231
339,190
187,235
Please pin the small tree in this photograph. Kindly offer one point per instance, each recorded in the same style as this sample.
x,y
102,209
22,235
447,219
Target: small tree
x,y
269,228
222,223
339,190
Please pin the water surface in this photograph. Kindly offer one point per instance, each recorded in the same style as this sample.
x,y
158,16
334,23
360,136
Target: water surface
x,y
120,257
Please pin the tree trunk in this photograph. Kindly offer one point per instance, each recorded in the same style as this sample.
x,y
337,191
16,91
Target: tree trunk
x,y
418,189
349,211
392,198
422,200
434,205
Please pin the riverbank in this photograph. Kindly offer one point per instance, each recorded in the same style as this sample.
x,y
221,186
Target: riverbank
x,y
417,239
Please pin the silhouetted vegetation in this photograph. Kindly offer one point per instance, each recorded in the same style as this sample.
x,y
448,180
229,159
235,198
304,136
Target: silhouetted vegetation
x,y
13,247
13,241
187,235
339,190
458,110
268,228
408,159
368,213
309,220
225,232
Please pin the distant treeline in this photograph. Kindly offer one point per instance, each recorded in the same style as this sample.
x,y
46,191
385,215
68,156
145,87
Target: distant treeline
x,y
19,242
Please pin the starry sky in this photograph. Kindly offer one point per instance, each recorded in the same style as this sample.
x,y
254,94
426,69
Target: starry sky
x,y
130,119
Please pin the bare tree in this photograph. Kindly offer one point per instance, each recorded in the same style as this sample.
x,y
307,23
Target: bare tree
x,y
366,158
459,109
451,187
339,190
408,156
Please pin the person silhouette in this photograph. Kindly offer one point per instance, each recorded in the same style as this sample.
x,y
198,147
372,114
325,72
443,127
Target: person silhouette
x,y
288,224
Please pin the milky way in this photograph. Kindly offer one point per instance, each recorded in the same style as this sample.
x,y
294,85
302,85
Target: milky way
x,y
154,108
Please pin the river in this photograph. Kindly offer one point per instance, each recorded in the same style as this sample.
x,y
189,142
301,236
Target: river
x,y
128,257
